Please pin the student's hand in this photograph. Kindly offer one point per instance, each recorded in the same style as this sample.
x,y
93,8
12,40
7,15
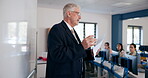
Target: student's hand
x,y
98,51
89,41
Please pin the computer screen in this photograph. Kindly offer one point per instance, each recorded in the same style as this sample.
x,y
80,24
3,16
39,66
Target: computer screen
x,y
104,54
131,63
115,57
143,48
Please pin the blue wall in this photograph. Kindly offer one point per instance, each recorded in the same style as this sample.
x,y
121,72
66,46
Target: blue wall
x,y
116,30
117,24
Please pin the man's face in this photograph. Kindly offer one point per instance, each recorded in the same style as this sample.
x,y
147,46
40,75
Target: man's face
x,y
132,49
75,16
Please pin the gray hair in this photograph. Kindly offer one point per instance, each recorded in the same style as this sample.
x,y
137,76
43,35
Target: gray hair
x,y
69,7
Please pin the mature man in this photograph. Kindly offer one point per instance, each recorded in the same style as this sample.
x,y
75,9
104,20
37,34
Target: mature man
x,y
65,50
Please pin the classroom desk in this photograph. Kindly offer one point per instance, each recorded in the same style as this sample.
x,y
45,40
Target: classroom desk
x,y
117,69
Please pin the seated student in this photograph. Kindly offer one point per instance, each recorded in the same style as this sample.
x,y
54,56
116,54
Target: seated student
x,y
106,47
133,50
120,49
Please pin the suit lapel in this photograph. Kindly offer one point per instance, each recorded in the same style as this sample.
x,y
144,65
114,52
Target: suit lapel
x,y
68,31
77,36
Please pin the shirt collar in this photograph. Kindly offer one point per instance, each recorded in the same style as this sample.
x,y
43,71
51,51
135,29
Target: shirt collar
x,y
68,25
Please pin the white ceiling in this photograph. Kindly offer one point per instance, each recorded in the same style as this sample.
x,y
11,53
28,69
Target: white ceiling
x,y
99,6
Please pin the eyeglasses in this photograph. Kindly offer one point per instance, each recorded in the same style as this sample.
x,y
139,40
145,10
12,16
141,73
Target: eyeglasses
x,y
78,13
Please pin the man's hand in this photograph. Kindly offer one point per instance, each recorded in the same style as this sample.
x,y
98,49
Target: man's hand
x,y
89,41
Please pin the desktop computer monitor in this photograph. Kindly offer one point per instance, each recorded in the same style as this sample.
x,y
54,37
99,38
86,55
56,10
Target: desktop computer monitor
x,y
131,63
104,54
143,48
115,58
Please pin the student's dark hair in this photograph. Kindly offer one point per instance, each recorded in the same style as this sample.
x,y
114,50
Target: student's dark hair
x,y
121,46
133,45
107,43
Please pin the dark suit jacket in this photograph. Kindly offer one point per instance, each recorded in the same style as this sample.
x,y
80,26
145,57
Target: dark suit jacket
x,y
64,53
